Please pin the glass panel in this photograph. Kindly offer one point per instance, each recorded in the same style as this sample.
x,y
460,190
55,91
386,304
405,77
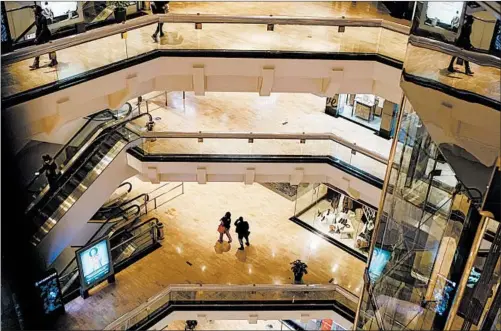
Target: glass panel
x,y
18,77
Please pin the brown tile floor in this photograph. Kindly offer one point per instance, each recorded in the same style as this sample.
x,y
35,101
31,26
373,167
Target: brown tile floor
x,y
190,226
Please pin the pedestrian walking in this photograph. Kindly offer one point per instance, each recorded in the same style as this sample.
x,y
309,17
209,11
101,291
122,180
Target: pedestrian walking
x,y
42,36
159,7
50,169
224,227
242,229
464,42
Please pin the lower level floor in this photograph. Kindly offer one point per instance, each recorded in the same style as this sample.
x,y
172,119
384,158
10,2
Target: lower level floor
x,y
191,253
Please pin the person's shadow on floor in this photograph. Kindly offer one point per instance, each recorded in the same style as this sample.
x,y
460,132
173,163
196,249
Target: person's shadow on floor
x,y
172,38
223,247
455,75
241,255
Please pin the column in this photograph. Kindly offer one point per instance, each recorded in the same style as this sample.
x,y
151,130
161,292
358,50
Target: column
x,y
387,119
331,106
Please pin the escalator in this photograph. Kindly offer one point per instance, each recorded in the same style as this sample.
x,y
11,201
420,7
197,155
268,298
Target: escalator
x,y
95,124
71,184
76,178
107,212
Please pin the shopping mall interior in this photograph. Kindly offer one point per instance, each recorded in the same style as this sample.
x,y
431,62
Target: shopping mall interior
x,y
251,165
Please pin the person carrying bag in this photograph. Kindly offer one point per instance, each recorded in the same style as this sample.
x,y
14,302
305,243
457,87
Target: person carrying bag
x,y
224,227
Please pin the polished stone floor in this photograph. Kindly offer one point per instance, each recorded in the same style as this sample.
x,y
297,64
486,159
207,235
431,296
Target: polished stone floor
x,y
432,65
18,77
190,252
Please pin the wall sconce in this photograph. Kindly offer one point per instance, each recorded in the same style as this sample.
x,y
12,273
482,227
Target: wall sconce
x,y
270,27
341,29
198,26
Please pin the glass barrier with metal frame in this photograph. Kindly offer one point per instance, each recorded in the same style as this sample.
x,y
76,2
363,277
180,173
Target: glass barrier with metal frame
x,y
198,294
263,144
198,32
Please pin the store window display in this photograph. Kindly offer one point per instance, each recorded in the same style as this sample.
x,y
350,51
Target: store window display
x,y
365,109
349,222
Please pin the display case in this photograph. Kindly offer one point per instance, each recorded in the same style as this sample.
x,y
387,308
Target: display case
x,y
364,106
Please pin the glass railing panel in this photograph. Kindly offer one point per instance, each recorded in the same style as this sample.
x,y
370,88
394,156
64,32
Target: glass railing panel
x,y
433,66
19,77
140,41
98,53
392,44
249,146
362,161
197,294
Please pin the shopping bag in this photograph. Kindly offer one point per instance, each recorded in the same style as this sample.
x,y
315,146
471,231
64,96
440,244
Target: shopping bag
x,y
221,229
459,61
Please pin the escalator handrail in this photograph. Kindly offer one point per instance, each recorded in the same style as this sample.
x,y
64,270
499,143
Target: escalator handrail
x,y
135,227
97,135
101,139
98,230
93,135
145,195
143,21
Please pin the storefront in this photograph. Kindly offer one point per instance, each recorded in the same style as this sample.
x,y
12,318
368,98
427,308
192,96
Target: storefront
x,y
319,324
348,222
368,110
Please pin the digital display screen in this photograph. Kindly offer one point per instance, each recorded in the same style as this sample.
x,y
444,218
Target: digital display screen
x,y
473,278
442,294
49,291
55,9
94,263
380,258
445,13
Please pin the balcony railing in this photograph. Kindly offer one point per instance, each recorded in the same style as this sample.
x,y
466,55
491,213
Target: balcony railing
x,y
250,144
98,49
235,294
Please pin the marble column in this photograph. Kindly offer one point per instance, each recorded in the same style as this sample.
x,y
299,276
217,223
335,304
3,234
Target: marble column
x,y
331,106
387,119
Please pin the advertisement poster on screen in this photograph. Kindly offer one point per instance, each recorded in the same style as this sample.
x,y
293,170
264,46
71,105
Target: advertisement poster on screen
x,y
94,263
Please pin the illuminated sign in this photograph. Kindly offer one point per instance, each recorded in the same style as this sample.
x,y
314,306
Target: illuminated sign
x,y
49,291
94,263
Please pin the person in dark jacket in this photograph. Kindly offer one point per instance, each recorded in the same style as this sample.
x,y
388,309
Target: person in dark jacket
x,y
50,169
464,42
242,229
159,7
226,224
42,36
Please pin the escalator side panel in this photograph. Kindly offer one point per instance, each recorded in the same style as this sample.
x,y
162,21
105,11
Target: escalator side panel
x,y
83,203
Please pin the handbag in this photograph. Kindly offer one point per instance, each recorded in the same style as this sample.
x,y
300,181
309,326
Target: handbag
x,y
221,229
459,61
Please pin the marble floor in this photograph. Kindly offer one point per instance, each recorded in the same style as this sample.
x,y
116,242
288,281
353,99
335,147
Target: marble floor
x,y
248,112
18,77
190,252
429,64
